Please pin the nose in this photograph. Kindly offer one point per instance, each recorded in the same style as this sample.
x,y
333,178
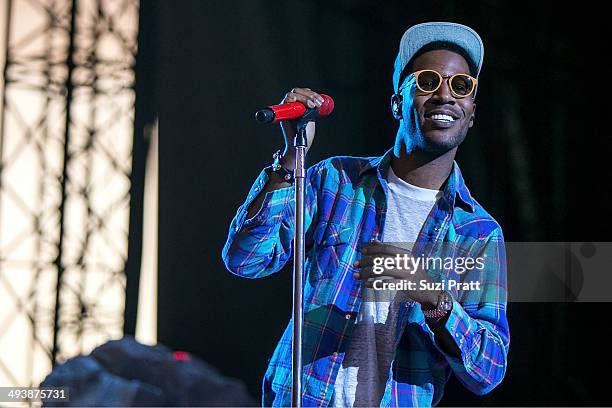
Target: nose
x,y
443,94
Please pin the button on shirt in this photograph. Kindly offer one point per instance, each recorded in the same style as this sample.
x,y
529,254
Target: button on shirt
x,y
345,208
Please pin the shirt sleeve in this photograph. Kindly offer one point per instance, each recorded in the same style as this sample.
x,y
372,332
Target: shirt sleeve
x,y
478,323
261,245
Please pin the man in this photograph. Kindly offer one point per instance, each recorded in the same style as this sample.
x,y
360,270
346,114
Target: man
x,y
363,346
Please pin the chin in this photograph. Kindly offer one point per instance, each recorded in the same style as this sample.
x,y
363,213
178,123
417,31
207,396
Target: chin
x,y
440,141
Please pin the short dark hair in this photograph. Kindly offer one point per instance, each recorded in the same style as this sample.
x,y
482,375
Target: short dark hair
x,y
439,45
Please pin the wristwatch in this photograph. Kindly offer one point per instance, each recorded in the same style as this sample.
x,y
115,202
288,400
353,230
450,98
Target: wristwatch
x,y
445,305
278,168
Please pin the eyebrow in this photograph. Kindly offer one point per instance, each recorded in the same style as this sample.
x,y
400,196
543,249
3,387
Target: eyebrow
x,y
446,75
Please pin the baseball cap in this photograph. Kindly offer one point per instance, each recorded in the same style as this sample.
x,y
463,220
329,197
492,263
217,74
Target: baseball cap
x,y
417,36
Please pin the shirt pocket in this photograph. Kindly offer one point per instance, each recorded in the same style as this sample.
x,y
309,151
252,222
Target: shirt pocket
x,y
331,251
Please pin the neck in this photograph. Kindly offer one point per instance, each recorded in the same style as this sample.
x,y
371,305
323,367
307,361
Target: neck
x,y
423,169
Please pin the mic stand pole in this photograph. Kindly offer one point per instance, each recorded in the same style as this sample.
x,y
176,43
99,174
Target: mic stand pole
x,y
300,143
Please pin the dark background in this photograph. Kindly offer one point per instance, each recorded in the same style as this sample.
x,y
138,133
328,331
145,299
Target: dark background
x,y
536,159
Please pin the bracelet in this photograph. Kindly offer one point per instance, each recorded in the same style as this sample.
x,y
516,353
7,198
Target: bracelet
x,y
435,314
278,168
443,307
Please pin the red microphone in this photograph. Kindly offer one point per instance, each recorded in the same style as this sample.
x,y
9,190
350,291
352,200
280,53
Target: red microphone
x,y
292,110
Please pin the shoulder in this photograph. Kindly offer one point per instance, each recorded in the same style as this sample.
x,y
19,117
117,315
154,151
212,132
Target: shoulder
x,y
342,169
479,223
470,218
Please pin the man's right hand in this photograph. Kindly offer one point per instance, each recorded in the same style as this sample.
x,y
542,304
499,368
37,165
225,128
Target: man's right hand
x,y
310,99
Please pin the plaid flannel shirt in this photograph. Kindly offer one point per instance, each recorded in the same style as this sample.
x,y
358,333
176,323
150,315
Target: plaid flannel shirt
x,y
345,208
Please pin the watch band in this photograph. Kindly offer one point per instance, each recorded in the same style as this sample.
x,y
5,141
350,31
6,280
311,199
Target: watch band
x,y
444,305
435,314
278,168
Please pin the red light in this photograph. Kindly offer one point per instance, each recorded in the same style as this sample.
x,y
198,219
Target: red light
x,y
181,355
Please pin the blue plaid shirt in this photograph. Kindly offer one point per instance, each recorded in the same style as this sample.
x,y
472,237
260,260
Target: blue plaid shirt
x,y
345,208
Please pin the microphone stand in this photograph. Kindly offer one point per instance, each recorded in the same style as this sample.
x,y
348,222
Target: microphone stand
x,y
300,143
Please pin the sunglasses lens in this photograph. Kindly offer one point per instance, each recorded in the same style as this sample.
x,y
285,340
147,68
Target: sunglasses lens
x,y
428,81
462,85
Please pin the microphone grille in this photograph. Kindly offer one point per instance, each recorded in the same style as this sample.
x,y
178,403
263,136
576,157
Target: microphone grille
x,y
327,107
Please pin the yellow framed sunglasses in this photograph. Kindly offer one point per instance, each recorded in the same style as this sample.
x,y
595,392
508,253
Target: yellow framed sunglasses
x,y
429,81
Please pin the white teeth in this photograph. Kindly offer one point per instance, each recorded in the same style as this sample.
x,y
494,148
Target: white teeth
x,y
445,118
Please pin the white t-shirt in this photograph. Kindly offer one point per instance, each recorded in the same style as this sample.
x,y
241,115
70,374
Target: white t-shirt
x,y
364,372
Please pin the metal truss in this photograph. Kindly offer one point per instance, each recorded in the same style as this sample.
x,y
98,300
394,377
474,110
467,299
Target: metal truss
x,y
65,168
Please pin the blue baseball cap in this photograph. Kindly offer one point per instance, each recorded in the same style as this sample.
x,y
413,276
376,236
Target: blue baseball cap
x,y
417,36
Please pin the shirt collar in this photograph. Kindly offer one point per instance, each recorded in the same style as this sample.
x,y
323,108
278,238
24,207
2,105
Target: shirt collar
x,y
455,191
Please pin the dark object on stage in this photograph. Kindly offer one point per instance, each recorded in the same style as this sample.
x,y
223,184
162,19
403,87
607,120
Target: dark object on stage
x,y
125,373
292,110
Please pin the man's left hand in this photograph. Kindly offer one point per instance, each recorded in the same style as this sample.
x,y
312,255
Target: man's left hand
x,y
379,255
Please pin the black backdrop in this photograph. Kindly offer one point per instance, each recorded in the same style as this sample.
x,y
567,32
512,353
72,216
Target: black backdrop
x,y
535,159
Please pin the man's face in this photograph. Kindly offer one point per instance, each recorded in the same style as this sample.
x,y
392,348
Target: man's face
x,y
440,136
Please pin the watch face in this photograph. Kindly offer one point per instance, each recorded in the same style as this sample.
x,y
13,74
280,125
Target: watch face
x,y
446,301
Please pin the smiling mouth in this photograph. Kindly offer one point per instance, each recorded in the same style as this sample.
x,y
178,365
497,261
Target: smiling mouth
x,y
440,118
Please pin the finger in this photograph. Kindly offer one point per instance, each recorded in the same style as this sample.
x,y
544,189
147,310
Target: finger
x,y
364,273
315,97
368,273
370,282
289,97
378,248
372,247
308,93
369,260
295,97
300,97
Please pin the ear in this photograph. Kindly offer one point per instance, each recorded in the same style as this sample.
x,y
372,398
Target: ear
x,y
473,115
396,106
